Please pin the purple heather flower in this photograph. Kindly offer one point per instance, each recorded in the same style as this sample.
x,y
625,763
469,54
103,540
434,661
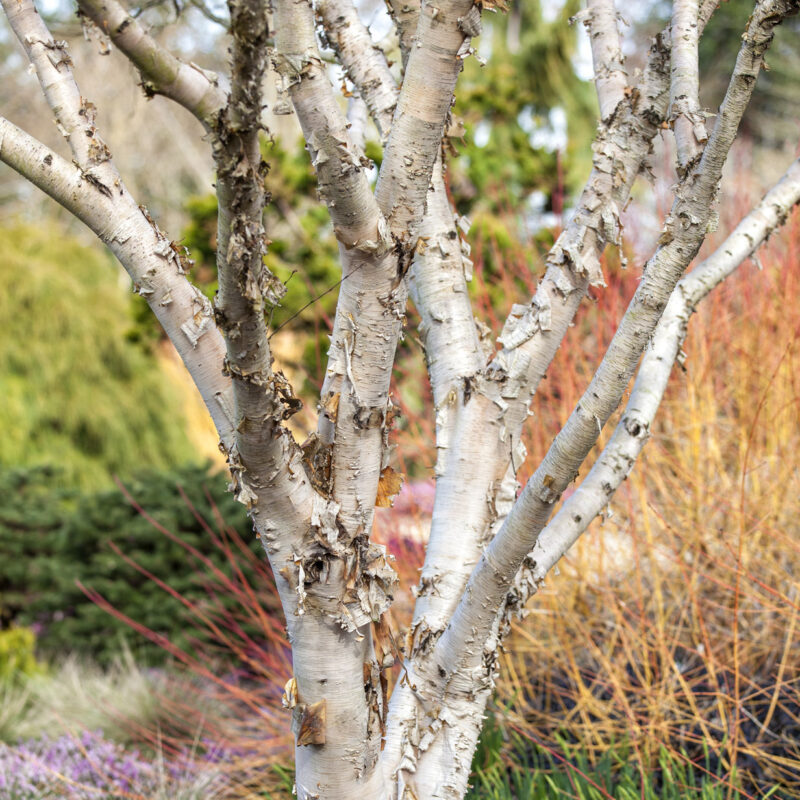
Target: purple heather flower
x,y
90,767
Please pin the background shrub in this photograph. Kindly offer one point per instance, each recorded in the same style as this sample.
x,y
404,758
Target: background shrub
x,y
82,392
55,539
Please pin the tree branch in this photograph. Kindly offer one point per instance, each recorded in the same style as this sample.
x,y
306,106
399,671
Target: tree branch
x,y
488,430
707,9
154,264
488,423
53,65
422,108
683,234
610,78
350,452
481,448
345,580
438,275
248,413
363,61
437,279
277,496
343,184
457,673
687,120
196,89
373,295
405,14
411,151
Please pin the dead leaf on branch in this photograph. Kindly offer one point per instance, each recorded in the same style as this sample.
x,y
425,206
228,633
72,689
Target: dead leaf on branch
x,y
331,405
310,723
389,485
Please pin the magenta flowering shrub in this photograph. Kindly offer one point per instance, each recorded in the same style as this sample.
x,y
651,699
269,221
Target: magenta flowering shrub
x,y
90,767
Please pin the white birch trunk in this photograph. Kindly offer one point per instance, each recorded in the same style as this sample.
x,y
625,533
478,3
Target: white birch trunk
x,y
313,505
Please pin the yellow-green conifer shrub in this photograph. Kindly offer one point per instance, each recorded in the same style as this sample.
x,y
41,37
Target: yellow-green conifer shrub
x,y
17,654
78,391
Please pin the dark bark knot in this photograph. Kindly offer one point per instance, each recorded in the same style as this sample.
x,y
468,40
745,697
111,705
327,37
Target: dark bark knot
x,y
635,428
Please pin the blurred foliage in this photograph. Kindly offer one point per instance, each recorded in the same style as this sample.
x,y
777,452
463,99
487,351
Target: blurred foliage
x,y
507,106
17,656
53,538
78,389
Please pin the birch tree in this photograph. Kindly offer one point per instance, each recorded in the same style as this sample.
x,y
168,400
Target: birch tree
x,y
491,542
